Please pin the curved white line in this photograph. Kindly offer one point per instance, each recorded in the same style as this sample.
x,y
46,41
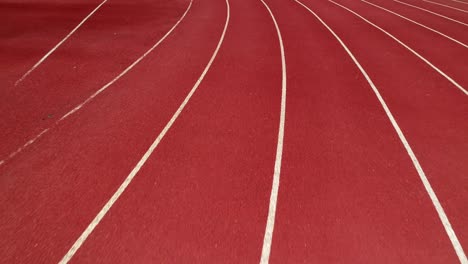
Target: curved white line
x,y
434,13
408,48
58,44
102,89
435,201
451,7
419,24
147,154
267,240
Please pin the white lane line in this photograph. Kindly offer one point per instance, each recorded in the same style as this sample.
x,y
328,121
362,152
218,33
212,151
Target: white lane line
x,y
58,44
24,146
451,7
434,13
435,201
408,48
102,89
419,24
466,3
147,154
267,240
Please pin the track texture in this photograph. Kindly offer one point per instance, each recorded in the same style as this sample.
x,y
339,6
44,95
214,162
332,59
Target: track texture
x,y
154,132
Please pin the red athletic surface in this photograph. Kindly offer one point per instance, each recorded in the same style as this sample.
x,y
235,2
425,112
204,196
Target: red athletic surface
x,y
349,192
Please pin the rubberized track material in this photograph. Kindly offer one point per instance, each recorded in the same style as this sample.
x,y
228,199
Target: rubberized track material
x,y
207,131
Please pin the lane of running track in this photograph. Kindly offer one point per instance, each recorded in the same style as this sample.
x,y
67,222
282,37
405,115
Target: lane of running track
x,y
447,27
432,112
455,14
82,65
203,194
54,189
31,28
349,190
446,55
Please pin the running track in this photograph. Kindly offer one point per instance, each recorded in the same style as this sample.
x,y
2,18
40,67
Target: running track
x,y
225,131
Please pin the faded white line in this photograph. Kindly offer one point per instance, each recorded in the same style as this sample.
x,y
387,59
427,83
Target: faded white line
x,y
102,89
427,185
58,44
408,48
451,7
419,24
147,154
24,146
267,240
466,3
434,13
28,143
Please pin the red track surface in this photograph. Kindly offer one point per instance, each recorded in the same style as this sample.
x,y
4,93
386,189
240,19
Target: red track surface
x,y
349,191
